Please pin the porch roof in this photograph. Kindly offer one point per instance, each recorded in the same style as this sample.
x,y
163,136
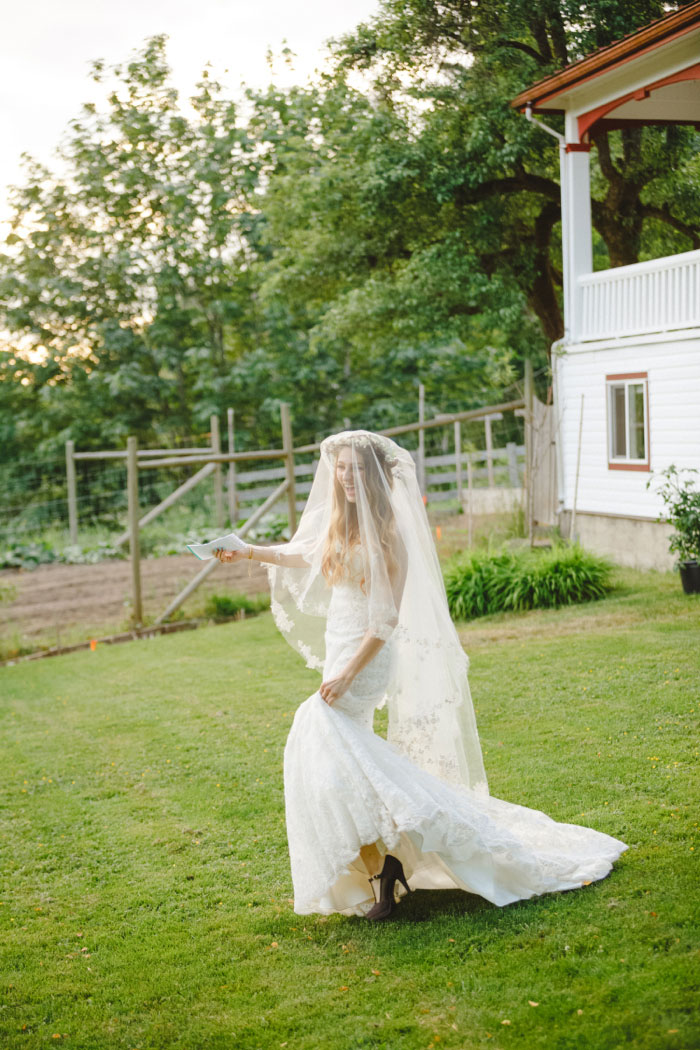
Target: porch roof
x,y
651,76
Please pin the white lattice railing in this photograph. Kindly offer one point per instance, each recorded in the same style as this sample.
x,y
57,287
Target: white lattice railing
x,y
653,296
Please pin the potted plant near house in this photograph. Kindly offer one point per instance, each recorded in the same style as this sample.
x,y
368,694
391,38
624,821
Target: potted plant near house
x,y
682,504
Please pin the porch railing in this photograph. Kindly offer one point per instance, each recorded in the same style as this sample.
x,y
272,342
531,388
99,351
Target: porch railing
x,y
656,296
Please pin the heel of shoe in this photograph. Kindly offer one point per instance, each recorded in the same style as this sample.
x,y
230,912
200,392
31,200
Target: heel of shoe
x,y
396,871
391,873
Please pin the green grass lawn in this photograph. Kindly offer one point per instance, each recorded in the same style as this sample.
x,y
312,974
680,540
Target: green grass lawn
x,y
146,889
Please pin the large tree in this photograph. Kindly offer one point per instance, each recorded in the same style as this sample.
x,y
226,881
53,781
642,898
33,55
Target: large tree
x,y
490,174
393,222
126,272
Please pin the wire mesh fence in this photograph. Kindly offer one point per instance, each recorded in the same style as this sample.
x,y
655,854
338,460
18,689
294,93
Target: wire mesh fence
x,y
33,492
34,496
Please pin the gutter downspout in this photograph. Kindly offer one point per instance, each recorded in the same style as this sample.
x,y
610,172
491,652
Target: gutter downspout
x,y
568,290
558,349
560,345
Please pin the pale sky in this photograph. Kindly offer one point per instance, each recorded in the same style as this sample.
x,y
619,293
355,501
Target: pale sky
x,y
46,48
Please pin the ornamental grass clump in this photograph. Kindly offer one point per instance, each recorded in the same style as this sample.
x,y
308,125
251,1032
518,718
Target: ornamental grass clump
x,y
479,583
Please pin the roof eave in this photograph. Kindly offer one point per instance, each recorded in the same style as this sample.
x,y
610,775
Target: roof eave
x,y
651,36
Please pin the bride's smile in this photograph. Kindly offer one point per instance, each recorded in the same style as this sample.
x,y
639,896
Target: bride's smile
x,y
345,473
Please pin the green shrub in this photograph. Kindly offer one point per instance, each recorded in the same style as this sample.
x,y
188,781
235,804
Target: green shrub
x,y
234,605
682,504
481,583
27,555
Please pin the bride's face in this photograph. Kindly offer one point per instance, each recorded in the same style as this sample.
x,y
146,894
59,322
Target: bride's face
x,y
345,472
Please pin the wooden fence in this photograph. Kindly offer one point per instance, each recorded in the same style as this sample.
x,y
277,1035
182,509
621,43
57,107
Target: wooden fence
x,y
251,493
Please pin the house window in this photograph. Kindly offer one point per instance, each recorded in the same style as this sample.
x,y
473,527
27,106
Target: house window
x,y
628,421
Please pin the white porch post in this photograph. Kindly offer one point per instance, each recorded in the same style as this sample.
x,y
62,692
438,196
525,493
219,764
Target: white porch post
x,y
576,227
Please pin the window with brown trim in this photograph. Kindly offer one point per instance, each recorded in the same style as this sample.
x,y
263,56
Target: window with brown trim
x,y
627,399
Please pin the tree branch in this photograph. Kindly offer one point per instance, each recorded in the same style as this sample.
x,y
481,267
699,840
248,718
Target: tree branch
x,y
524,183
649,211
520,46
557,32
538,29
607,167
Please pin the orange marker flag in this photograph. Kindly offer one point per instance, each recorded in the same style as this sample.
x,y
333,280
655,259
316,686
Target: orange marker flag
x,y
438,532
93,644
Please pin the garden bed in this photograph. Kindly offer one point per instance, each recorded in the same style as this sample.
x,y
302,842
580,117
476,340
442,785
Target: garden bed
x,y
65,604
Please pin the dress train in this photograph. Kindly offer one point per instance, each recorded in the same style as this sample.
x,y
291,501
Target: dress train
x,y
346,787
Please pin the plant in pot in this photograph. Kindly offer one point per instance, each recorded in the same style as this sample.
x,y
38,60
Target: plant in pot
x,y
682,504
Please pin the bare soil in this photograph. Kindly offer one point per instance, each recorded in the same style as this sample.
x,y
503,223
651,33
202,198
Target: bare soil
x,y
57,605
60,604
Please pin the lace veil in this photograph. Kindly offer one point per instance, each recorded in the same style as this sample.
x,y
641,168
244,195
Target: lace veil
x,y
365,519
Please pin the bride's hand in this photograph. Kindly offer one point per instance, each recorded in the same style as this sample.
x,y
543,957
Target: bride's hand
x,y
224,556
334,688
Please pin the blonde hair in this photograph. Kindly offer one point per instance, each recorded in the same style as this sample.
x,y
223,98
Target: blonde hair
x,y
344,530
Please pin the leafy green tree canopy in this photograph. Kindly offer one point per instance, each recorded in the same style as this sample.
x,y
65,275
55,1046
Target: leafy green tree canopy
x,y
393,221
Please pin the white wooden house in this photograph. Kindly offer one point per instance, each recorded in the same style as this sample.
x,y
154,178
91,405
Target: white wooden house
x,y
627,372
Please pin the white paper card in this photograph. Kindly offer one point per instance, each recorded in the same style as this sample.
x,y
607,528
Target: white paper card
x,y
230,542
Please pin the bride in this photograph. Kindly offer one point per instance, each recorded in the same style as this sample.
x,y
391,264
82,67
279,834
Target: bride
x,y
358,592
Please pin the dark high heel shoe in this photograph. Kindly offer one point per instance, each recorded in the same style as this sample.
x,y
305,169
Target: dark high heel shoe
x,y
390,873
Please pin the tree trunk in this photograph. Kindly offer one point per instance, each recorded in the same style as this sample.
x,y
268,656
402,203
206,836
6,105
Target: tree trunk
x,y
542,296
618,219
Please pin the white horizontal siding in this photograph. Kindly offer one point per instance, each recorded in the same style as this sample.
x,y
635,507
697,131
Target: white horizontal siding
x,y
673,367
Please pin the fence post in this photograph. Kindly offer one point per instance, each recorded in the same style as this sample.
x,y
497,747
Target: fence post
x,y
132,489
288,446
232,501
72,493
218,474
529,479
458,458
489,450
421,439
488,420
470,498
512,453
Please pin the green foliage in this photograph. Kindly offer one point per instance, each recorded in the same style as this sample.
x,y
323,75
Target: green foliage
x,y
29,555
332,245
481,583
682,504
271,527
234,606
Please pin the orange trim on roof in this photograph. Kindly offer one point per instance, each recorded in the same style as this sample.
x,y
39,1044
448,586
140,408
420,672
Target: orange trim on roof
x,y
642,40
587,120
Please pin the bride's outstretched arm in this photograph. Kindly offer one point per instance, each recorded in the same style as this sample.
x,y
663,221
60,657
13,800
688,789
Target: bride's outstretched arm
x,y
271,555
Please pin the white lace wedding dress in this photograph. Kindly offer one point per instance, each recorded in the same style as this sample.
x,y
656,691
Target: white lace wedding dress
x,y
346,787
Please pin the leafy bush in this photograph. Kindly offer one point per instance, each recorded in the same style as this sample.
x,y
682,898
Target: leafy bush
x,y
682,504
234,605
29,555
271,527
76,555
481,583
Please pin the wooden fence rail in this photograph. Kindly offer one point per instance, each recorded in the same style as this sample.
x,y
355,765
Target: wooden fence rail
x,y
504,462
441,476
